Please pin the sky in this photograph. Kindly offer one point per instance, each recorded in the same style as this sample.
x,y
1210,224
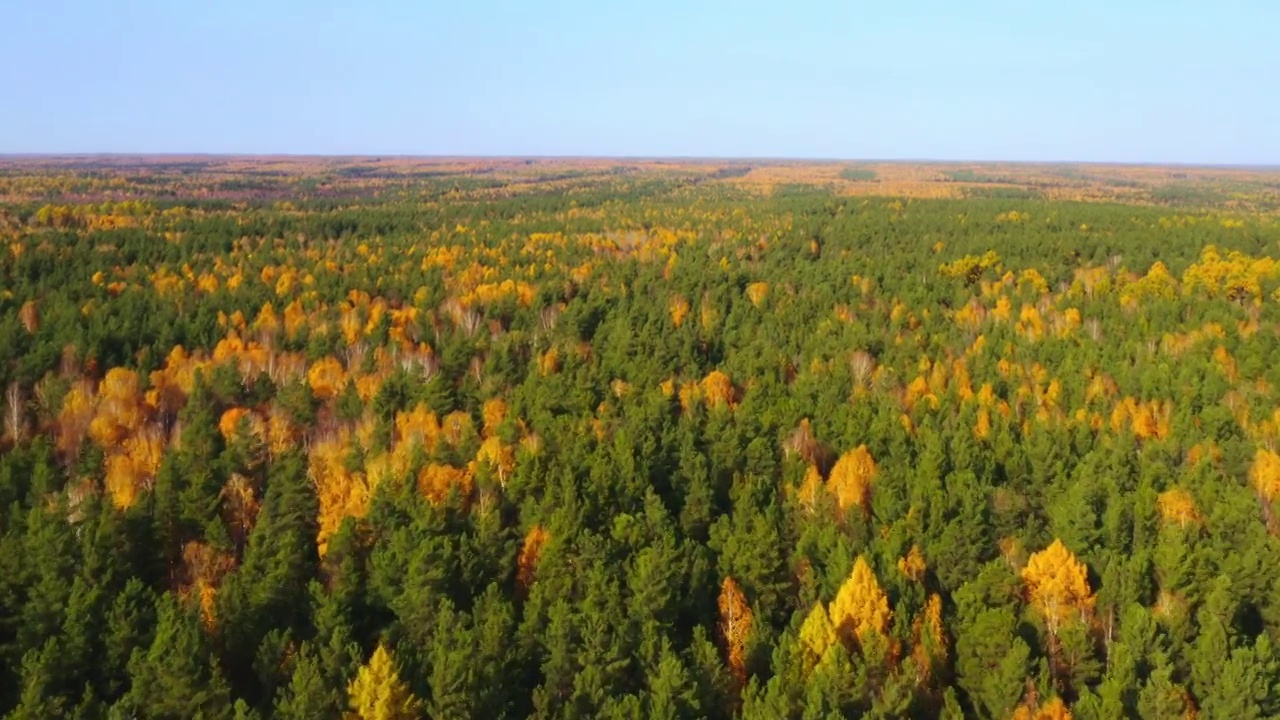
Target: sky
x,y
1174,81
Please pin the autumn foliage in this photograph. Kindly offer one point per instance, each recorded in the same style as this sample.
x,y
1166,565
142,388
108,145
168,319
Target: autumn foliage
x,y
861,607
735,628
378,693
1057,585
851,477
802,432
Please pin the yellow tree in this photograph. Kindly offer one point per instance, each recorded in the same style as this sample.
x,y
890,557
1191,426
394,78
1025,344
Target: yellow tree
x,y
377,693
1057,585
456,427
718,389
1177,507
75,417
549,362
850,479
1054,709
326,378
912,564
817,634
679,308
341,493
501,458
1265,474
435,481
810,488
929,639
493,413
735,627
860,607
118,411
419,426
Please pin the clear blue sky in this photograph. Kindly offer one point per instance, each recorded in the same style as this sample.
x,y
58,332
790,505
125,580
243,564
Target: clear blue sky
x,y
1109,80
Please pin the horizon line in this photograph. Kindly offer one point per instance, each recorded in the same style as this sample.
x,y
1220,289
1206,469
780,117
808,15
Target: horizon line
x,y
4,156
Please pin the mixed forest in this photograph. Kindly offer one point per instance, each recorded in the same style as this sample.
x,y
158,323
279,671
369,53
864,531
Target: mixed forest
x,y
406,439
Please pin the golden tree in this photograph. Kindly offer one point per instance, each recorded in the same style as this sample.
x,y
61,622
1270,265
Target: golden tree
x,y
912,564
735,627
679,308
456,427
1265,474
418,426
74,417
1057,585
501,458
717,388
326,378
229,423
810,489
493,413
341,493
982,427
549,362
817,634
929,639
435,481
121,481
1176,506
690,394
1054,709
860,607
378,693
131,467
118,410
850,479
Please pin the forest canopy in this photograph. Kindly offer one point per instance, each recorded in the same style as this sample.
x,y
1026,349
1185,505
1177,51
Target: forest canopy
x,y
392,438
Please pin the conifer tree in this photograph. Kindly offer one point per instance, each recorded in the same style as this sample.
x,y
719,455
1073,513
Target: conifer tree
x,y
378,693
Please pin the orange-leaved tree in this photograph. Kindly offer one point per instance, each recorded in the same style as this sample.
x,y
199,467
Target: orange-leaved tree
x,y
530,554
735,627
1054,709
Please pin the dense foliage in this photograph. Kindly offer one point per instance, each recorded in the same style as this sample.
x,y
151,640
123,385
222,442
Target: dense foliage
x,y
632,442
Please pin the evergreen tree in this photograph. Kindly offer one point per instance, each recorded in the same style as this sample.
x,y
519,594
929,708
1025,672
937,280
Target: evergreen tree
x,y
176,677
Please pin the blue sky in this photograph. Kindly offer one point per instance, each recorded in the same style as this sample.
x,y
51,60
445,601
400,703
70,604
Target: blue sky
x,y
1086,80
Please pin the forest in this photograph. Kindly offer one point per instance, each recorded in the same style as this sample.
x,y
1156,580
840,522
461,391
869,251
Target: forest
x,y
390,438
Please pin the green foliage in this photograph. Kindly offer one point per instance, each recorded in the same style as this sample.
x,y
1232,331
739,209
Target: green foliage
x,y
521,423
